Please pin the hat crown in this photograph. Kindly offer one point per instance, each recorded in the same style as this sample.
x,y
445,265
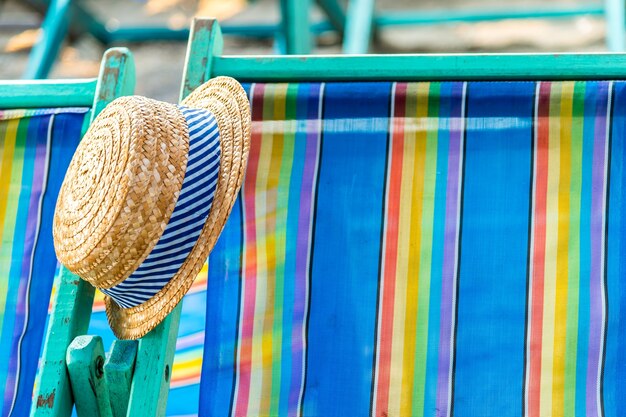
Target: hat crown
x,y
116,197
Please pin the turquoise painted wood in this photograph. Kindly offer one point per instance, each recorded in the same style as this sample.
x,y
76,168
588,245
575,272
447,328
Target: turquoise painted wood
x,y
296,33
118,373
153,368
74,297
359,27
85,366
205,42
615,24
361,16
429,17
53,31
423,67
64,14
57,93
334,11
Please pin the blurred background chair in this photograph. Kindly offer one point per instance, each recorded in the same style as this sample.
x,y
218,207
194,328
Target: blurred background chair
x,y
62,16
362,19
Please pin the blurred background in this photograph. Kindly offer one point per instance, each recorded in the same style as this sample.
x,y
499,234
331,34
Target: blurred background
x,y
160,63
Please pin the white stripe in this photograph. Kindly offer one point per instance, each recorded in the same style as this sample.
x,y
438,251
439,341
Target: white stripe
x,y
193,160
171,251
190,208
193,176
197,191
149,265
198,141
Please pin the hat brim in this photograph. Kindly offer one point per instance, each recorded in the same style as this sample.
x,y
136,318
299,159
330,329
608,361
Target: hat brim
x,y
228,102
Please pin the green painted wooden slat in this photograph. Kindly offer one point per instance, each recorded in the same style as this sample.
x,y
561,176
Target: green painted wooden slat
x,y
74,297
118,372
358,26
427,17
423,67
615,24
335,13
85,366
296,33
153,368
205,42
46,93
70,318
53,31
117,78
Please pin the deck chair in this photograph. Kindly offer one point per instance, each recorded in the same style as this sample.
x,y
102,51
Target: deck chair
x,y
41,124
422,235
362,19
62,16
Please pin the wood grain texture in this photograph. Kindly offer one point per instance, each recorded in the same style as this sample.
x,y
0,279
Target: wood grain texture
x,y
47,93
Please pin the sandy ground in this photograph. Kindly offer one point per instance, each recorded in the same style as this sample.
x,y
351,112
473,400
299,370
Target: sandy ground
x,y
160,64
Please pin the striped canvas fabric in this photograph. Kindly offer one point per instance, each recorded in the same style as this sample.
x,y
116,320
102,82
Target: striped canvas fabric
x,y
35,149
424,249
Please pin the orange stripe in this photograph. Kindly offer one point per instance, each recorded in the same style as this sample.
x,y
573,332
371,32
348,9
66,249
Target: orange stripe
x,y
390,255
539,239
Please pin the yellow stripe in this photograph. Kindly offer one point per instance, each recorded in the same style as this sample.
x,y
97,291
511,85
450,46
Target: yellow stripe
x,y
256,365
402,265
560,319
6,180
270,219
416,107
552,211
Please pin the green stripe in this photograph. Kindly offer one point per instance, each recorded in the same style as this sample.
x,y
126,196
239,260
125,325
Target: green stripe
x,y
15,186
426,250
282,206
571,334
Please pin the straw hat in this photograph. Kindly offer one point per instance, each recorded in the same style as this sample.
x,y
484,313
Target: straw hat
x,y
146,196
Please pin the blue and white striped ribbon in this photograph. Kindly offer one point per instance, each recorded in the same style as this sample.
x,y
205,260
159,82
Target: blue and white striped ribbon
x,y
188,218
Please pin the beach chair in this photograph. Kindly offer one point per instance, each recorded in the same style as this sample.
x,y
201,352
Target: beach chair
x,y
40,126
63,15
362,19
428,235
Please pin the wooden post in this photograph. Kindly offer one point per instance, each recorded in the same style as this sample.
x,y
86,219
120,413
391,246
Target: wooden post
x,y
51,36
118,372
359,22
85,365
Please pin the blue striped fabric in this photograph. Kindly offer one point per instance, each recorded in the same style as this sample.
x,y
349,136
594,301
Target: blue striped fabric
x,y
188,218
508,178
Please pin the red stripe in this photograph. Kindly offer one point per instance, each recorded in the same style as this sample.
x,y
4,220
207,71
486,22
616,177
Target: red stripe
x,y
539,231
391,250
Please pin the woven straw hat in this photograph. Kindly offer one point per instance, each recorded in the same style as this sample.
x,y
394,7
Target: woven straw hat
x,y
146,196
